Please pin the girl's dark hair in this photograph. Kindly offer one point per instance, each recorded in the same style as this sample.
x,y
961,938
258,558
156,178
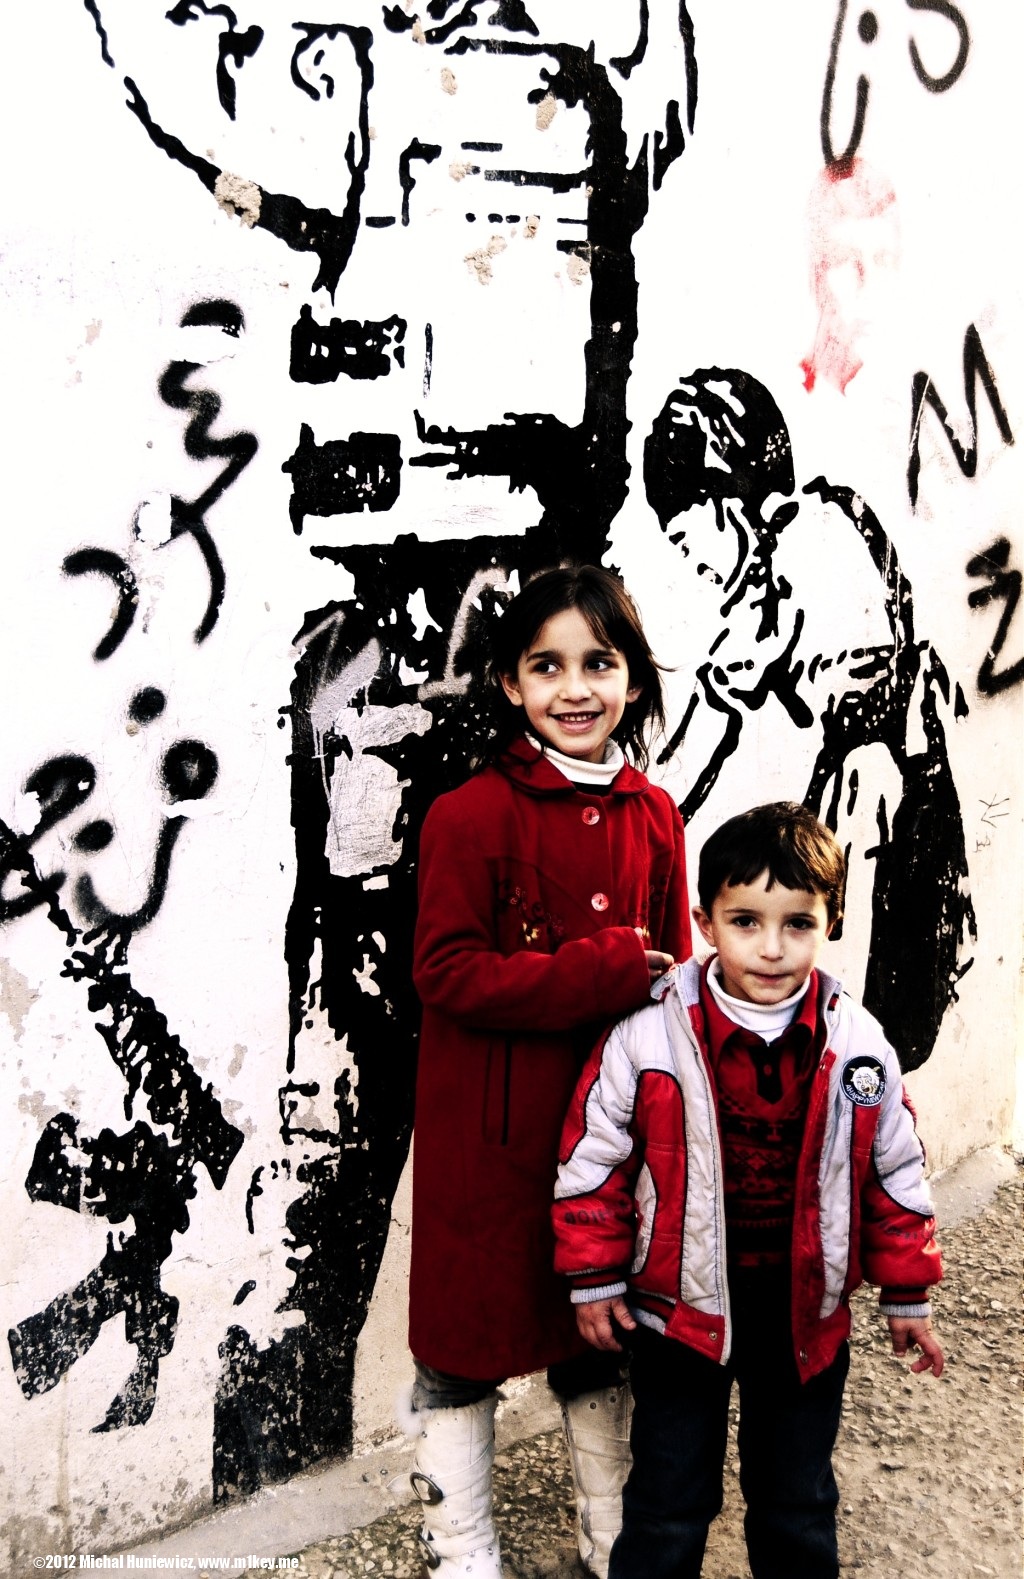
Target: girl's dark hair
x,y
784,839
614,619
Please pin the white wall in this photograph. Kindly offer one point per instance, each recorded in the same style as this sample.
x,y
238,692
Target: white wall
x,y
212,805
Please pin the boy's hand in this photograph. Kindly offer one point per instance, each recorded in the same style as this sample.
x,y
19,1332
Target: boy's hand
x,y
658,963
595,1321
915,1332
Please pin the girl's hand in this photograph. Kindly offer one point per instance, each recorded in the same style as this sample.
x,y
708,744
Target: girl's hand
x,y
595,1321
658,963
915,1332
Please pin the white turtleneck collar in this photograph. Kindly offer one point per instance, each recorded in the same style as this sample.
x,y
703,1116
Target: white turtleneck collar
x,y
767,1020
577,771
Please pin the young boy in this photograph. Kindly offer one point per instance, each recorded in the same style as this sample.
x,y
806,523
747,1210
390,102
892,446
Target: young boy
x,y
739,1156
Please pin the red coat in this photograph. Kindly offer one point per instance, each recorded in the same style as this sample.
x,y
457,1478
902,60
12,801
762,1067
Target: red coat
x,y
537,901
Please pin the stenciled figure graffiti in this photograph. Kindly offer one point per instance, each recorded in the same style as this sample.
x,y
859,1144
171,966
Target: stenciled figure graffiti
x,y
807,623
467,181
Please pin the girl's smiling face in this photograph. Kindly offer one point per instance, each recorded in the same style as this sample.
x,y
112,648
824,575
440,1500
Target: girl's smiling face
x,y
572,686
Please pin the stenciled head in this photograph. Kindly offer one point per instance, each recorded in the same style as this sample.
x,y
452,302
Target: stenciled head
x,y
312,129
719,436
720,447
466,181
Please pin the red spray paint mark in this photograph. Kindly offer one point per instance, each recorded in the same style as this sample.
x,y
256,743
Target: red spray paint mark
x,y
853,229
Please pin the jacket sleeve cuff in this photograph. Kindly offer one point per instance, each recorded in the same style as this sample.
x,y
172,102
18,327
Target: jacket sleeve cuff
x,y
890,1307
588,1296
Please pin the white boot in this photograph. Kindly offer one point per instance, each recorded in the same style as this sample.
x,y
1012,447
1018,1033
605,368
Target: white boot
x,y
597,1434
452,1478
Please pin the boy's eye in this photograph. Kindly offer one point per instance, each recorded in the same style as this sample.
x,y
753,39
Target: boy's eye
x,y
743,921
802,924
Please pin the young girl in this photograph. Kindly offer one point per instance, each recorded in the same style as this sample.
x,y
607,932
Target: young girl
x,y
552,893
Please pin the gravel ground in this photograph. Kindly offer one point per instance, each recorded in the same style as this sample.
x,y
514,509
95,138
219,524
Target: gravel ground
x,y
929,1471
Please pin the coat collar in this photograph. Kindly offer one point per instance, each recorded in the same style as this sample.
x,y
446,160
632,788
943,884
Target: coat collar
x,y
529,770
686,978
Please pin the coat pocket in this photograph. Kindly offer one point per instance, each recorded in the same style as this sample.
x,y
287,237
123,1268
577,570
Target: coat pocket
x,y
497,1084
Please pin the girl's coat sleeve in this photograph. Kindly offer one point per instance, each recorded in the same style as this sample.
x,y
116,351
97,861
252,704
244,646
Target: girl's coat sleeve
x,y
676,939
459,971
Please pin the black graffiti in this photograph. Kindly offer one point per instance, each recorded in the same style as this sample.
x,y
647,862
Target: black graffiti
x,y
345,347
189,767
287,1404
755,461
721,440
147,1174
952,14
232,45
579,475
996,809
124,1175
330,237
533,450
146,705
921,906
343,476
1005,585
102,562
189,517
62,784
92,7
867,29
189,771
923,393
313,35
426,153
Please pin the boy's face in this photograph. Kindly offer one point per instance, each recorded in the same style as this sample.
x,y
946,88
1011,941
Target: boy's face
x,y
768,939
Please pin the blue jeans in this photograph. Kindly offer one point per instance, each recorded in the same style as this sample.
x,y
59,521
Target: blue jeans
x,y
786,1435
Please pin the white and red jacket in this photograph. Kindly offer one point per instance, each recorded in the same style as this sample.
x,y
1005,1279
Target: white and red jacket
x,y
639,1208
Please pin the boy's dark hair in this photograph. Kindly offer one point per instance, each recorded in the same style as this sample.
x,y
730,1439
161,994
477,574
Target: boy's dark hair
x,y
614,619
783,839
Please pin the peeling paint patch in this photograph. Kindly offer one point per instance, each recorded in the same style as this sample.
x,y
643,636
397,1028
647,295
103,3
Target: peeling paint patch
x,y
479,262
236,195
578,267
35,1103
364,976
547,109
531,226
17,995
459,171
448,82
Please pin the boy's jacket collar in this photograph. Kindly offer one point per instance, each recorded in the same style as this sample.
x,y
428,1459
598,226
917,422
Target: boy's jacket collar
x,y
685,977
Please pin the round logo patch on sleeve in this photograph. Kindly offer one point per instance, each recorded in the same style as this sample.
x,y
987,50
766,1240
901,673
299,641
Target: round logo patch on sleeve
x,y
864,1081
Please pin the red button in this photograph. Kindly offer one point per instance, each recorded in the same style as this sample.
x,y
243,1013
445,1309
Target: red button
x,y
600,901
591,815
